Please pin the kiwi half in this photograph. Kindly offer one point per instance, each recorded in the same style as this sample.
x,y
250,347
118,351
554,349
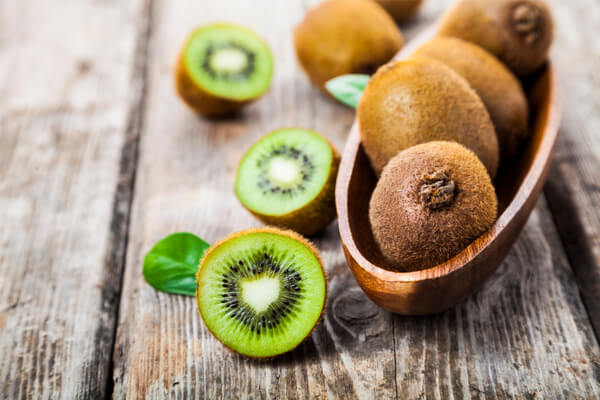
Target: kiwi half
x,y
419,100
498,88
401,10
287,178
340,37
431,202
519,32
261,291
221,68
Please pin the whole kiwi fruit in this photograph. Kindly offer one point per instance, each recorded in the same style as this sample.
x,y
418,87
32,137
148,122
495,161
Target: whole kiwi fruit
x,y
496,85
419,100
221,68
519,32
340,37
401,10
431,202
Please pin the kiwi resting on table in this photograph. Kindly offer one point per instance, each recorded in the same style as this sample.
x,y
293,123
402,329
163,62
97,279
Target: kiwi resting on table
x,y
221,68
498,88
431,202
519,32
261,291
401,10
341,37
287,178
419,100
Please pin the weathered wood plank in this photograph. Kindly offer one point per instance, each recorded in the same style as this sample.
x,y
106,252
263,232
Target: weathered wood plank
x,y
68,88
573,189
185,182
527,318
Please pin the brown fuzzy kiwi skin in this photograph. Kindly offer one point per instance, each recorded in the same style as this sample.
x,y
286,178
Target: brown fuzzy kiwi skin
x,y
199,100
496,85
413,237
419,100
277,231
401,10
345,36
519,32
314,216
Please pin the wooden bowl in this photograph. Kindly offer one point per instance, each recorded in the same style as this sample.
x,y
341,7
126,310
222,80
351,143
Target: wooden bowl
x,y
435,289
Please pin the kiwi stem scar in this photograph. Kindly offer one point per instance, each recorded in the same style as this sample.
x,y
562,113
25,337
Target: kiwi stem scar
x,y
526,20
437,190
260,293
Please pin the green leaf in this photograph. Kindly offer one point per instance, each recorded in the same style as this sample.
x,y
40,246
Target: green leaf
x,y
348,88
172,263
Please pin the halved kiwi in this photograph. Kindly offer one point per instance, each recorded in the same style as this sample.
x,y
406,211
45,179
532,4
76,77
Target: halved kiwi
x,y
261,291
221,68
287,178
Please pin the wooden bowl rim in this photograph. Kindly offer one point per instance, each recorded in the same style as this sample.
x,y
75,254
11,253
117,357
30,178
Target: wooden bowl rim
x,y
533,175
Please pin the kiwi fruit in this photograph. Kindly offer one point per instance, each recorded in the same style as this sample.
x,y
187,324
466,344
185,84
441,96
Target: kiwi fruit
x,y
221,68
287,178
518,32
431,202
401,10
419,100
340,37
496,85
261,291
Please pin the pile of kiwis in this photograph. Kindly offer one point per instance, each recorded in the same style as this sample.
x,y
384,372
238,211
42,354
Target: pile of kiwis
x,y
435,127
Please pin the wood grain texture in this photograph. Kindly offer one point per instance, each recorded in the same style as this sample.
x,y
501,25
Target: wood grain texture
x,y
573,190
185,182
68,91
526,334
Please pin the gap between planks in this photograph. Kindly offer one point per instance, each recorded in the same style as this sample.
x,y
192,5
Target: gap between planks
x,y
119,227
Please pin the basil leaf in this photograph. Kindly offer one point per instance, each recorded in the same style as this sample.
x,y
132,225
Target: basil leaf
x,y
348,88
172,263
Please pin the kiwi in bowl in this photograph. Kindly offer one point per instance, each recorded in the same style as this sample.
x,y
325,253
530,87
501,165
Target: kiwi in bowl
x,y
431,201
418,100
518,185
519,32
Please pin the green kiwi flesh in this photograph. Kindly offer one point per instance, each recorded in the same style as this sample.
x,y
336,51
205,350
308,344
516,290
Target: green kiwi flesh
x,y
228,61
261,291
287,178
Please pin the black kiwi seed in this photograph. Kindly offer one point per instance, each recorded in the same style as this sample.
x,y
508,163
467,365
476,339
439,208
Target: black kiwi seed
x,y
251,266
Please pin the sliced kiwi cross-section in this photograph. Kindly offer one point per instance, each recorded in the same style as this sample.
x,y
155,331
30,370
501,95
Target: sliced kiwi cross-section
x,y
287,178
261,291
222,67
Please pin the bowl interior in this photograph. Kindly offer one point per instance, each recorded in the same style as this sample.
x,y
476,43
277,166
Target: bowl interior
x,y
509,180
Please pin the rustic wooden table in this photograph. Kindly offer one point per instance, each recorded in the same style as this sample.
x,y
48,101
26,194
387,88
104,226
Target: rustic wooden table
x,y
99,160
